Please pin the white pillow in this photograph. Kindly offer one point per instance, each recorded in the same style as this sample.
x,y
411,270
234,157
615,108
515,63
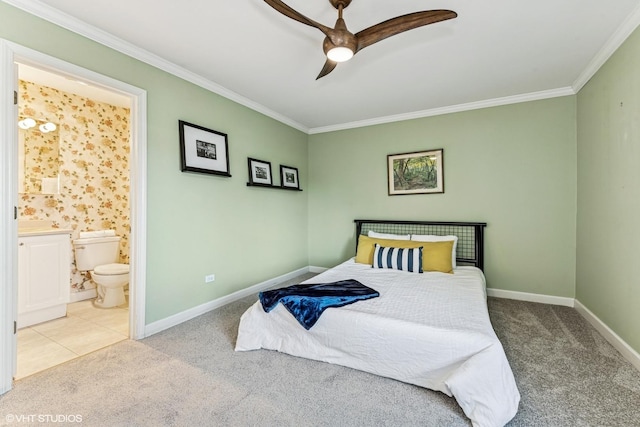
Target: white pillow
x,y
388,236
431,238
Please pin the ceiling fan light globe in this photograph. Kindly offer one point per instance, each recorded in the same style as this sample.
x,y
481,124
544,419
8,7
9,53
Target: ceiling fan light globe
x,y
340,54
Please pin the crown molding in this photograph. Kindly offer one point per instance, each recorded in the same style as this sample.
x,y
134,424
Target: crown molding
x,y
515,99
48,13
615,41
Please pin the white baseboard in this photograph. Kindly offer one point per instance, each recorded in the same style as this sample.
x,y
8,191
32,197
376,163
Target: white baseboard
x,y
618,343
176,319
83,295
525,296
625,349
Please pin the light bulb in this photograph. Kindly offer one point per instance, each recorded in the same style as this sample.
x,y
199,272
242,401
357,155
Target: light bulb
x,y
50,126
27,123
340,54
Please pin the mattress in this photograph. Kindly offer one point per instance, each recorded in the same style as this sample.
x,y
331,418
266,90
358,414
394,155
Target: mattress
x,y
431,329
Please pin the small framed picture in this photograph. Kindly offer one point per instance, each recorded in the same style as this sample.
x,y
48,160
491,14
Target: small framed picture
x,y
260,172
415,173
203,150
289,177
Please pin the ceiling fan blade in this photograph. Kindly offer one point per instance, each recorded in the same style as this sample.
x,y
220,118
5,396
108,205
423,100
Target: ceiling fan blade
x,y
329,65
400,24
294,14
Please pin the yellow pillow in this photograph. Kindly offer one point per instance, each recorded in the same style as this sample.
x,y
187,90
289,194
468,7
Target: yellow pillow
x,y
366,246
436,256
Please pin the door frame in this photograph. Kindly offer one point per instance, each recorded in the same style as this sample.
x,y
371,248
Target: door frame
x,y
10,53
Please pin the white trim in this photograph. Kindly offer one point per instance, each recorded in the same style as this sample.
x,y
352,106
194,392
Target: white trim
x,y
314,269
83,295
44,11
138,158
526,296
176,319
618,343
609,48
507,100
614,339
8,225
10,53
138,215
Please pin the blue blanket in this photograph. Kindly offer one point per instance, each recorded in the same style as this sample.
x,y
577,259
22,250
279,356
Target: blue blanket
x,y
308,302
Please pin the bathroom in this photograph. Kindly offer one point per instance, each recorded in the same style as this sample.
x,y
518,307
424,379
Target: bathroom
x,y
77,178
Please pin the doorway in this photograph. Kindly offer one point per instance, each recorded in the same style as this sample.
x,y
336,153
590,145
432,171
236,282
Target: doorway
x,y
73,178
11,55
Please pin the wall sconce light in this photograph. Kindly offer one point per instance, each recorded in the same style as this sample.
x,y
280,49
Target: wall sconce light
x,y
28,123
47,127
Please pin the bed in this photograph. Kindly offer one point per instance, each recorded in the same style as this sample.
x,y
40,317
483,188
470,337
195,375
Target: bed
x,y
430,329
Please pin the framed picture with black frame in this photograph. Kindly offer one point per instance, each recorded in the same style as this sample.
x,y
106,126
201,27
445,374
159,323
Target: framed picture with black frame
x,y
259,172
289,177
203,150
420,172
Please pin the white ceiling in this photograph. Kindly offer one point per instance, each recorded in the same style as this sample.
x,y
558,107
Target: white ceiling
x,y
495,52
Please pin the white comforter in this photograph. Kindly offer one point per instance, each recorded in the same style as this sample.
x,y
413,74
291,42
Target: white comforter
x,y
432,330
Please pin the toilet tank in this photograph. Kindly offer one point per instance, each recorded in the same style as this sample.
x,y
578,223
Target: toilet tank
x,y
93,251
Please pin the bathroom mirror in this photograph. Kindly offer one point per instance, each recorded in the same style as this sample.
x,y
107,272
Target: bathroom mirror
x,y
38,157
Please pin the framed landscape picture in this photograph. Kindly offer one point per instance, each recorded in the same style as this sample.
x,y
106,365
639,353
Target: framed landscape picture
x,y
203,150
416,173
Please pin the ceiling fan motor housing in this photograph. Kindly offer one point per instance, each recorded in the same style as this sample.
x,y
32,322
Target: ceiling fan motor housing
x,y
340,37
338,3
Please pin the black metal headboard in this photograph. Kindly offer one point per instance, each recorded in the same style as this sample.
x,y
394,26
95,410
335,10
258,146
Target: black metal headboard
x,y
470,250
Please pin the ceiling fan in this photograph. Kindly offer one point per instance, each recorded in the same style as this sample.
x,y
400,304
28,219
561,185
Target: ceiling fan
x,y
340,44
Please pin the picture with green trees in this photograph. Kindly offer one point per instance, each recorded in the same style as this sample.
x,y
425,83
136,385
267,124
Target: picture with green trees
x,y
416,173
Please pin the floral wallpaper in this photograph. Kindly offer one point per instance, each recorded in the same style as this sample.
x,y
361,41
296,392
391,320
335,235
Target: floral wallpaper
x,y
94,146
39,155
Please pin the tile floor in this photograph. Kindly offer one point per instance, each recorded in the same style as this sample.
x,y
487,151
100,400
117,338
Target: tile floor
x,y
85,329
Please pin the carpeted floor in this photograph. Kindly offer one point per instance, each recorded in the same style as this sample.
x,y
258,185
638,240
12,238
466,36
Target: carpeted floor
x,y
189,375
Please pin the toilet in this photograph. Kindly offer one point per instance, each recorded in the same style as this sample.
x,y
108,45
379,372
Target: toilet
x,y
98,252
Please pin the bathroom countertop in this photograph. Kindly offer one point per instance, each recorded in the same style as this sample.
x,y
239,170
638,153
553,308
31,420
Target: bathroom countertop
x,y
38,227
42,231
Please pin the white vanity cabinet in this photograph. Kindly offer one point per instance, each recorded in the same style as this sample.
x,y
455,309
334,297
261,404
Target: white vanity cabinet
x,y
44,276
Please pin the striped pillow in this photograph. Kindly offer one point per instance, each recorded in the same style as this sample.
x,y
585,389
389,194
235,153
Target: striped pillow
x,y
405,259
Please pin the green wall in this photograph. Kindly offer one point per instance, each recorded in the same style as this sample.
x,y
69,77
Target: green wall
x,y
524,169
513,167
197,224
608,226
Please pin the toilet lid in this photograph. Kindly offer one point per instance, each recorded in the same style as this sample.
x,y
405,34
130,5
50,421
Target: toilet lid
x,y
111,269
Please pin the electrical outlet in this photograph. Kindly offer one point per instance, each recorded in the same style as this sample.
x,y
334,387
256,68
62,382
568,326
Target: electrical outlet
x,y
209,278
